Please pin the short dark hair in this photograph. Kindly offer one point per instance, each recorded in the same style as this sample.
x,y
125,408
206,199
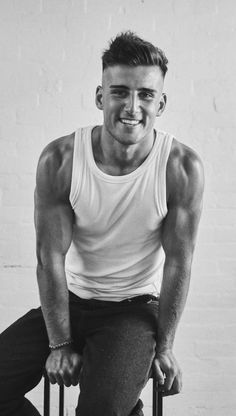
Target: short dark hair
x,y
128,49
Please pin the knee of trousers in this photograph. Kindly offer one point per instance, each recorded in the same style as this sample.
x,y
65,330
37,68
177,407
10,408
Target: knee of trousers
x,y
99,407
108,406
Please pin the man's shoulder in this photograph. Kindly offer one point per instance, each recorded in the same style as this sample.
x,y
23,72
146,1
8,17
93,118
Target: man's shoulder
x,y
184,170
58,150
55,165
182,155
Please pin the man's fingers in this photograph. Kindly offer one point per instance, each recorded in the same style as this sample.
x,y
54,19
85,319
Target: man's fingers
x,y
67,379
51,377
176,386
170,376
165,366
75,380
64,377
75,371
60,377
55,378
159,376
63,367
76,376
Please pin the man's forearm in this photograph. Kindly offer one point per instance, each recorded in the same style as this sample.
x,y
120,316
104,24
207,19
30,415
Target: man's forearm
x,y
173,297
54,299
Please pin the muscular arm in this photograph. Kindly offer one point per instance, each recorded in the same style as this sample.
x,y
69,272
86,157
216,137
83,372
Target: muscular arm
x,y
185,183
54,224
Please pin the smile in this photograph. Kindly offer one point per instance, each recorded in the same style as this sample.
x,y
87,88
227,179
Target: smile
x,y
130,122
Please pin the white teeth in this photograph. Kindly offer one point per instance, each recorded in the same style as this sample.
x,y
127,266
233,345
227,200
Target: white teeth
x,y
131,122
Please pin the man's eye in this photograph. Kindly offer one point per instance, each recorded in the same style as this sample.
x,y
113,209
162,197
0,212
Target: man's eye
x,y
146,95
119,93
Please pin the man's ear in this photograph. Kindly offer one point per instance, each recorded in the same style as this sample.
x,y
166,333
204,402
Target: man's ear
x,y
162,104
99,97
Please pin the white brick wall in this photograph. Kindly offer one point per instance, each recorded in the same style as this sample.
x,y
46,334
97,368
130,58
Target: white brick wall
x,y
50,66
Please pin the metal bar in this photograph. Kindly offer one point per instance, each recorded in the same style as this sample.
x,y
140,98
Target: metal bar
x,y
157,400
61,400
46,400
160,403
154,398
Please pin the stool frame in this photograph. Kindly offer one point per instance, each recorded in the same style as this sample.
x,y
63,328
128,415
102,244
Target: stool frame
x,y
157,399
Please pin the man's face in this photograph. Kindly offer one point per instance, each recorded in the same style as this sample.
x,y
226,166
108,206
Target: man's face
x,y
131,98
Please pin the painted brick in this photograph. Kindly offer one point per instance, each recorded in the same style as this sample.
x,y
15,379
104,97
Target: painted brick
x,y
209,350
209,316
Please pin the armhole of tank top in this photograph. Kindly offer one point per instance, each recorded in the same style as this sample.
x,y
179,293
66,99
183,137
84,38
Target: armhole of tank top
x,y
161,173
75,177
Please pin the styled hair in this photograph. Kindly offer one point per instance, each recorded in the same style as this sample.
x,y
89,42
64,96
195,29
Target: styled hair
x,y
128,49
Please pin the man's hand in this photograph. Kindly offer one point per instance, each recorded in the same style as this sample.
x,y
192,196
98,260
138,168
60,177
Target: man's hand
x,y
167,372
63,366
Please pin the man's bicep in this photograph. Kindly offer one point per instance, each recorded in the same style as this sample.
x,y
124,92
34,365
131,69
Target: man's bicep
x,y
53,212
54,225
179,233
184,211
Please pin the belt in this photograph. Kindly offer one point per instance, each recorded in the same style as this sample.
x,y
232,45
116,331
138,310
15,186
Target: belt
x,y
140,299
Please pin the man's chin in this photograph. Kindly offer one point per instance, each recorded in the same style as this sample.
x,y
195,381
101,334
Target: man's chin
x,y
128,138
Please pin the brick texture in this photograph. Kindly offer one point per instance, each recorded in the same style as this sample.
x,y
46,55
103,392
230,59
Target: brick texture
x,y
50,66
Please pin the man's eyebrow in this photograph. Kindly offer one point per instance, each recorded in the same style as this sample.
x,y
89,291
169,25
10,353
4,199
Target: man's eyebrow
x,y
119,86
124,87
147,89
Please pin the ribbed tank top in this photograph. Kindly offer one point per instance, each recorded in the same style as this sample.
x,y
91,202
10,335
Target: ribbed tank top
x,y
116,250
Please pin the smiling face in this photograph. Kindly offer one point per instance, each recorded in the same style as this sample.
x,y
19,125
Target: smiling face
x,y
131,98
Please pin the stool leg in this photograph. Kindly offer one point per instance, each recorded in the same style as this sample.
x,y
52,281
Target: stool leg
x,y
154,399
157,401
61,400
160,403
46,400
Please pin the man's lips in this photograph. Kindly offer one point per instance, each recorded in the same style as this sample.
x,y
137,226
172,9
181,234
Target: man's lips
x,y
130,121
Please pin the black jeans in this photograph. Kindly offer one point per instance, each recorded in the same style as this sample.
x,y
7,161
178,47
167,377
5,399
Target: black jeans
x,y
117,340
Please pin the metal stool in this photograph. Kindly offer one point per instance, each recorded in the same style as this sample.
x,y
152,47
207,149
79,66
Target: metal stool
x,y
157,399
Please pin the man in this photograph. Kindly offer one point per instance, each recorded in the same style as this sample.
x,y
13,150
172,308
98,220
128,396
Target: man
x,y
117,208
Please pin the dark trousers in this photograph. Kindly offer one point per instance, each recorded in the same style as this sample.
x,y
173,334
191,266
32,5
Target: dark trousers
x,y
117,340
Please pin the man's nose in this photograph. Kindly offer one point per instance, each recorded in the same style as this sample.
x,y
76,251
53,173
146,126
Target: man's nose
x,y
132,104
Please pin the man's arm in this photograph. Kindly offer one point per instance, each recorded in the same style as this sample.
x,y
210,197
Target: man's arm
x,y
54,223
185,183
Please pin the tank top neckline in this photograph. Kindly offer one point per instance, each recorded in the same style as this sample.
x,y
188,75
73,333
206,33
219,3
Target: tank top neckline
x,y
120,178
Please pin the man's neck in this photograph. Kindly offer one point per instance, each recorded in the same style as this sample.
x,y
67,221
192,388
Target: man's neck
x,y
118,159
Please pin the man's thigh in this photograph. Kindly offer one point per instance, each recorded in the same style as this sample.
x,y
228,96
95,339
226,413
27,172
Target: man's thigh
x,y
23,352
117,358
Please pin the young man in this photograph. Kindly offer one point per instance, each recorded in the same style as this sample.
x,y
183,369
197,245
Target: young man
x,y
117,208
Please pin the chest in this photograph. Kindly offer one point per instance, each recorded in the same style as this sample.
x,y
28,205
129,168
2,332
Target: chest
x,y
104,207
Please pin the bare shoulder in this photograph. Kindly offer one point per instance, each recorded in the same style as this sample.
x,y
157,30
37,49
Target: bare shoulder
x,y
185,174
53,177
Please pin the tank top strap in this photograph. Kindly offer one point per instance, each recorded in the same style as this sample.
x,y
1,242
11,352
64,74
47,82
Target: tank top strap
x,y
78,164
165,144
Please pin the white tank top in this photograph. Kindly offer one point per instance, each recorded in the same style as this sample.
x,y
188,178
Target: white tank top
x,y
116,250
